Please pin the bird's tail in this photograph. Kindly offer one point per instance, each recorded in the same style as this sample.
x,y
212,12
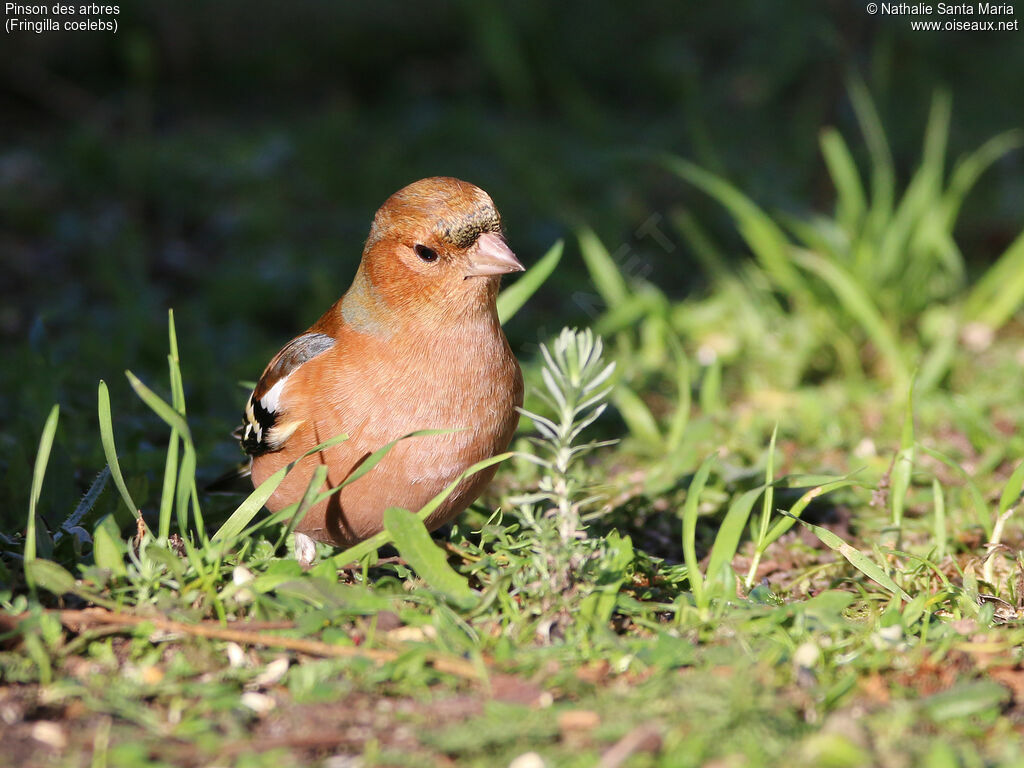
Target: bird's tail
x,y
235,480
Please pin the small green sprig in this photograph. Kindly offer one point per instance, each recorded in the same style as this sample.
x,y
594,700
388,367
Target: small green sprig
x,y
576,385
574,376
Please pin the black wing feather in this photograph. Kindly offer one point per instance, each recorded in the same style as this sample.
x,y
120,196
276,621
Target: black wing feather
x,y
259,420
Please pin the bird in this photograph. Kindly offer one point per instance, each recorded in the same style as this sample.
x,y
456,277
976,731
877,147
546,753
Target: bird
x,y
413,344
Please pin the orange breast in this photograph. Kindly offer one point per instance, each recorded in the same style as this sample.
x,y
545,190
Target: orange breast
x,y
377,390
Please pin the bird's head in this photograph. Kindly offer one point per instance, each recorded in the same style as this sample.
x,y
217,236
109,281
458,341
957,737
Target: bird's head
x,y
435,246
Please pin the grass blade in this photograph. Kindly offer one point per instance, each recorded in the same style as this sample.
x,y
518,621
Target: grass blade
x,y
372,544
160,407
727,540
973,492
185,491
904,464
766,509
938,359
702,246
249,508
174,366
50,576
710,395
628,313
789,519
241,517
936,137
638,417
38,473
603,270
856,558
167,495
516,295
681,417
110,451
769,480
883,177
306,502
374,459
904,247
850,201
970,168
939,532
690,513
762,235
108,548
858,303
999,293
426,558
1012,489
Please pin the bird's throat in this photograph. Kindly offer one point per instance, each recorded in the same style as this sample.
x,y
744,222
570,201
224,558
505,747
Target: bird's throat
x,y
364,309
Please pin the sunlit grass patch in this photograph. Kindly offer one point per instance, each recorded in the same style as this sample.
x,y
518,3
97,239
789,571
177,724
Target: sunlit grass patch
x,y
731,532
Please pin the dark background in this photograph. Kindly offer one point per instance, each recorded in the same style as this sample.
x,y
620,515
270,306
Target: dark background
x,y
225,159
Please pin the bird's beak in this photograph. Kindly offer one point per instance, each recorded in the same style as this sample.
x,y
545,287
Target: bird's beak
x,y
490,255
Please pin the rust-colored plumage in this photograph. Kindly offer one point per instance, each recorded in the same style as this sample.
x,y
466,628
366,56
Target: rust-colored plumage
x,y
413,344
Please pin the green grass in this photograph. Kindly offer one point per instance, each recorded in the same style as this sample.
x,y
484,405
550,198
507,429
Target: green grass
x,y
773,523
739,640
883,271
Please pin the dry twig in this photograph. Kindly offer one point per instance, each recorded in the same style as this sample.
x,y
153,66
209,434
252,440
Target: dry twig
x,y
80,620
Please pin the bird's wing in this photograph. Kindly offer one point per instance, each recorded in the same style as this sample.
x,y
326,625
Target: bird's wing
x,y
263,429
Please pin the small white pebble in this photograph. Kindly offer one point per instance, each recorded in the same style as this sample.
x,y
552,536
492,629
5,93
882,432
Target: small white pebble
x,y
977,337
413,634
623,663
528,760
273,673
543,631
807,655
236,656
865,449
343,761
305,549
259,703
51,734
887,637
174,713
10,714
241,576
706,354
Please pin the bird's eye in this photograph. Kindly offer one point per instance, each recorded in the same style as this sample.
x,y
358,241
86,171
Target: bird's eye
x,y
425,253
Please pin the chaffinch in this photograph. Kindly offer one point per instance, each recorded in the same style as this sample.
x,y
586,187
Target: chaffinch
x,y
414,344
